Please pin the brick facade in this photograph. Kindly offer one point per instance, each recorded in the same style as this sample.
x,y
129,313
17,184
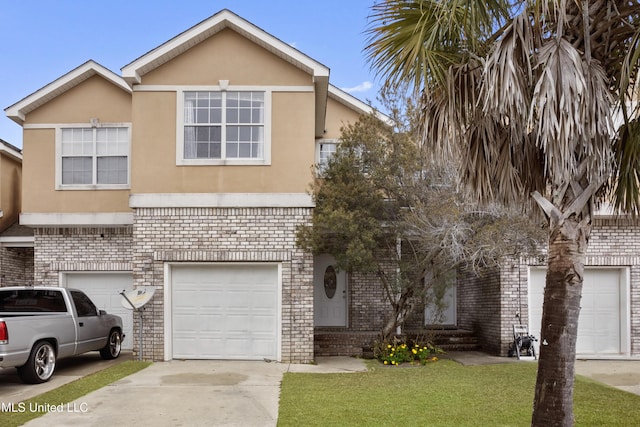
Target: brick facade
x,y
489,305
16,266
176,235
79,249
478,300
368,313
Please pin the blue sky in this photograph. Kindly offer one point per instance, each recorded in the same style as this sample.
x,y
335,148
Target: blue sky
x,y
44,39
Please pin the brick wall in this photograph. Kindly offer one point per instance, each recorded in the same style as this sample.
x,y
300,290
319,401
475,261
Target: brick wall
x,y
173,235
479,307
79,249
368,308
489,305
615,242
16,266
368,311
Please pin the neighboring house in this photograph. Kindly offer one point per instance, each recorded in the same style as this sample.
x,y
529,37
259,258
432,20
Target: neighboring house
x,y
16,242
609,324
190,172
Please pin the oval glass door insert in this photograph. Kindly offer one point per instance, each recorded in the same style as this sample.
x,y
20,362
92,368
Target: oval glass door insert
x,y
330,282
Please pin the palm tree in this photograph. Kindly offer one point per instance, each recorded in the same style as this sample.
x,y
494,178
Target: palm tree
x,y
533,98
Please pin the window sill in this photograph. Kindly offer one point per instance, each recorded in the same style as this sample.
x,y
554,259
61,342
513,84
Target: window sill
x,y
220,162
92,187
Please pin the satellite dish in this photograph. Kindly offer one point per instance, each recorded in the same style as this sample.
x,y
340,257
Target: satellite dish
x,y
136,298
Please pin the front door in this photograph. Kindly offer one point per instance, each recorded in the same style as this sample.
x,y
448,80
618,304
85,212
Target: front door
x,y
441,303
330,292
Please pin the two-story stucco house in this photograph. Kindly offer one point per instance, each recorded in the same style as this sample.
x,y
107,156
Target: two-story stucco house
x,y
189,173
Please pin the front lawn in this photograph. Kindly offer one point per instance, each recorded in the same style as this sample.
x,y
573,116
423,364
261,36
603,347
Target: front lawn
x,y
444,393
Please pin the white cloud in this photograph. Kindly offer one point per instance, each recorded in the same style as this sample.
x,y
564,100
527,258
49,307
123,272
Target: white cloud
x,y
362,87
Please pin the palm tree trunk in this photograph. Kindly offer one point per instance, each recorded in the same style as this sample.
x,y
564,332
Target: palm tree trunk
x,y
553,404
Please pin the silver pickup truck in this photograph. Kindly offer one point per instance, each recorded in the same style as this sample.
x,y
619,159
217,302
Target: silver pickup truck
x,y
41,324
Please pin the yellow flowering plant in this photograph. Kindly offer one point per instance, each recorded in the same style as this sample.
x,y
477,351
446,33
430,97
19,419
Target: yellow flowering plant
x,y
397,352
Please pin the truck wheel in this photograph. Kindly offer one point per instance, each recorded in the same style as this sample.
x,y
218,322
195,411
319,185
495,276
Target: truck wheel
x,y
114,344
40,365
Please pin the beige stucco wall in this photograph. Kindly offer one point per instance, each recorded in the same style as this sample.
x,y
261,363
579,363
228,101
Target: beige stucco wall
x,y
152,113
154,168
10,190
338,115
93,98
227,56
38,185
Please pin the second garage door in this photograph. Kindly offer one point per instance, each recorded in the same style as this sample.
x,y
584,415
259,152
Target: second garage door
x,y
104,290
226,311
601,326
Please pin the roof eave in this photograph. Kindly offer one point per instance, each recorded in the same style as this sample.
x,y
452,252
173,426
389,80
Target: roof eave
x,y
356,104
134,71
10,150
18,111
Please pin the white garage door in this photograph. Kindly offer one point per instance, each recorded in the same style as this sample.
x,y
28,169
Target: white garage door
x,y
601,329
104,290
225,311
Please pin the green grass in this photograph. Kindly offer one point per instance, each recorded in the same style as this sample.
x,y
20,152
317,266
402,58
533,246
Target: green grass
x,y
444,393
71,391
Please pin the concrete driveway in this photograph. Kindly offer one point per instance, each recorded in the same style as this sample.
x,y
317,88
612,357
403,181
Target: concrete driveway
x,y
191,393
13,390
622,374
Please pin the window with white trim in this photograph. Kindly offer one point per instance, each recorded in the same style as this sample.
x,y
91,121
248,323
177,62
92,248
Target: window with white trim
x,y
223,125
94,156
325,149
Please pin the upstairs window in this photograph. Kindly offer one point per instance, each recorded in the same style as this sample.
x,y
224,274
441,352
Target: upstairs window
x,y
93,157
224,125
325,149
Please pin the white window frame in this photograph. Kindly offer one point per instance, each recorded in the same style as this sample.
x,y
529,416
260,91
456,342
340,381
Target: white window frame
x,y
264,161
321,166
95,185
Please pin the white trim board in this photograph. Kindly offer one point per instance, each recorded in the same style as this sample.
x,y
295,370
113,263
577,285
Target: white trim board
x,y
76,219
221,200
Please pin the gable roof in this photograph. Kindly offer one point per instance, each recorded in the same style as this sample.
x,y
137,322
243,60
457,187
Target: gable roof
x,y
356,104
10,150
153,59
132,73
18,111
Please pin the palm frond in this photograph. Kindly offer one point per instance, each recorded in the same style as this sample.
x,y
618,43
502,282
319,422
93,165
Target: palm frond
x,y
507,74
555,108
487,164
417,41
626,190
